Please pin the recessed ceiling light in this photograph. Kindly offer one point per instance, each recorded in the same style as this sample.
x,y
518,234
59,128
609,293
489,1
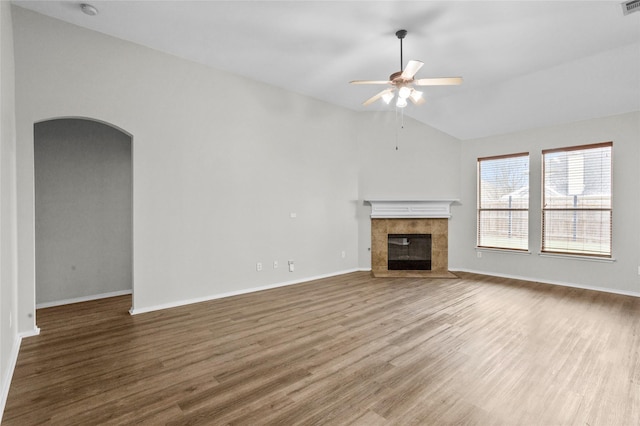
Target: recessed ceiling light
x,y
89,9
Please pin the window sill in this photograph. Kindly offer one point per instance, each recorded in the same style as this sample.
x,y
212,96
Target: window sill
x,y
578,257
508,251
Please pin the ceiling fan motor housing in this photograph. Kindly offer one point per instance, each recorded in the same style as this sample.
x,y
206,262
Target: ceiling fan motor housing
x,y
395,75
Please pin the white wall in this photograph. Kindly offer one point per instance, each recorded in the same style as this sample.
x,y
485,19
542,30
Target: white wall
x,y
9,340
219,163
619,276
426,165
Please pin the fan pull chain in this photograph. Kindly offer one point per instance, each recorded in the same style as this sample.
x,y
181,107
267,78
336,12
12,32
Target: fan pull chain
x,y
397,131
401,125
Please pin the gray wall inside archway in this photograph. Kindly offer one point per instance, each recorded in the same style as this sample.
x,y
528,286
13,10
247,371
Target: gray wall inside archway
x,y
83,210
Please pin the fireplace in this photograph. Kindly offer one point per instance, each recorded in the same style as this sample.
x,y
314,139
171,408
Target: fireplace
x,y
409,252
410,239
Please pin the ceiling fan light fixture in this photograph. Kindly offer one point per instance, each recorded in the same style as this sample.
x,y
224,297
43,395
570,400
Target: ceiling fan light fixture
x,y
387,97
404,82
415,95
404,92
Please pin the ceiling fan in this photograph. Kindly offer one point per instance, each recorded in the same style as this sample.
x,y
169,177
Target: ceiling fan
x,y
403,82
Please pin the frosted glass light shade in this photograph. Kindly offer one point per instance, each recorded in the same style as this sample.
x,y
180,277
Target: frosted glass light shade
x,y
416,95
404,92
387,97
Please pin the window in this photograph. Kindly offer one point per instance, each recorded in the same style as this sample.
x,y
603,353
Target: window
x,y
503,202
576,205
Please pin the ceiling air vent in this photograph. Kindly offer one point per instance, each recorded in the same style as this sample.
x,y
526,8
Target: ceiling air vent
x,y
631,6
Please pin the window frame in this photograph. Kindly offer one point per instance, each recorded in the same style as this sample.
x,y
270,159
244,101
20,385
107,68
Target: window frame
x,y
544,209
480,209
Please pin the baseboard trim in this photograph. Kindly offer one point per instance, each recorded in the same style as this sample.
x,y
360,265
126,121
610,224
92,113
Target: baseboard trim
x,y
6,380
551,282
83,299
30,333
13,359
137,311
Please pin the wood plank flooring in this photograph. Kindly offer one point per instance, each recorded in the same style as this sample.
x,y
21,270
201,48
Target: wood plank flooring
x,y
351,350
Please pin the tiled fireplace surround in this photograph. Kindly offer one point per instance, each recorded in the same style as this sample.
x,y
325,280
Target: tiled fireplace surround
x,y
411,217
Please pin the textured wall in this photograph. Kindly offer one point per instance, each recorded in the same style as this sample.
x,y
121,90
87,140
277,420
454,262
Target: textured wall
x,y
620,275
219,164
425,166
9,317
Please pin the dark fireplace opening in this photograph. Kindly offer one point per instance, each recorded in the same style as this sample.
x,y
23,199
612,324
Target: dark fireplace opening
x,y
407,252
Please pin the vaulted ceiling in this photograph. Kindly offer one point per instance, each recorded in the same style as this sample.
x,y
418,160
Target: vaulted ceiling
x,y
525,64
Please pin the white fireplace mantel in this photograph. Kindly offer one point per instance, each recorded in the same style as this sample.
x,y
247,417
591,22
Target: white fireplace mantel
x,y
396,209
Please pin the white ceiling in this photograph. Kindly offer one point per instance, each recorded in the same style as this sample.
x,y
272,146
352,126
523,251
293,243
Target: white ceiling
x,y
525,64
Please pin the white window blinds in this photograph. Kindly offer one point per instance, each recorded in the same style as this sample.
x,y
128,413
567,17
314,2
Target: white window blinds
x,y
503,202
576,208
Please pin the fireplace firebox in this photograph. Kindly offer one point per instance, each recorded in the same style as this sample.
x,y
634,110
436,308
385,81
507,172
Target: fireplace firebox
x,y
409,252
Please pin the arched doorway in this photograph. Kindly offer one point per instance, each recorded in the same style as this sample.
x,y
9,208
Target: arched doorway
x,y
83,211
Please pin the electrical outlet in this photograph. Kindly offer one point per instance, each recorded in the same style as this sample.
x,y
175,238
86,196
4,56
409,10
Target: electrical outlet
x,y
291,267
10,319
275,264
638,270
344,254
259,266
479,254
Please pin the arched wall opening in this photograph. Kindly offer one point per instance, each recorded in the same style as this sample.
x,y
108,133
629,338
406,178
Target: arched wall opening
x,y
83,183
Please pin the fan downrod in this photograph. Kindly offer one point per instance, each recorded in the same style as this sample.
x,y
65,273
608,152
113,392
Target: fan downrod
x,y
401,34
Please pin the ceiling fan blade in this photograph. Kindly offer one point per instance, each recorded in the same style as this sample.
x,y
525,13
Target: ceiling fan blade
x,y
370,82
376,97
411,69
440,81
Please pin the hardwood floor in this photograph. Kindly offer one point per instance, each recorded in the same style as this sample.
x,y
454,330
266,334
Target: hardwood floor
x,y
344,350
